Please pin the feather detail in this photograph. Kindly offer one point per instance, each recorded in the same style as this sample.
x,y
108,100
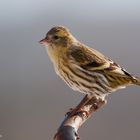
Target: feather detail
x,y
136,81
88,58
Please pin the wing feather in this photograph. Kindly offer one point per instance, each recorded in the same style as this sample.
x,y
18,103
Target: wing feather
x,y
88,58
92,60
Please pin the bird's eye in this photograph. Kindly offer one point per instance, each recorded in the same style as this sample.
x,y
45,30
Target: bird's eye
x,y
56,37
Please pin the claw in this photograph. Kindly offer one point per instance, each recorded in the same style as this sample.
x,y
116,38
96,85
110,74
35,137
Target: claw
x,y
76,111
69,112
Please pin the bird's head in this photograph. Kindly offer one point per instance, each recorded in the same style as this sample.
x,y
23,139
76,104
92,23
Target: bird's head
x,y
57,36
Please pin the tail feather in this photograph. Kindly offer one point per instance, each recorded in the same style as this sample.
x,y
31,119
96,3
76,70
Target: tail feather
x,y
136,81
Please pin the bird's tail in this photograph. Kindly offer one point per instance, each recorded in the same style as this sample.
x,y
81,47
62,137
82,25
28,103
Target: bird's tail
x,y
136,81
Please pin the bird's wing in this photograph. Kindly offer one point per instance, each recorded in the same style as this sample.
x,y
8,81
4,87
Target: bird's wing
x,y
92,60
88,58
115,69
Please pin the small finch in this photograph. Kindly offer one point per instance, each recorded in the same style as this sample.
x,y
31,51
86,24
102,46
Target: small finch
x,y
84,69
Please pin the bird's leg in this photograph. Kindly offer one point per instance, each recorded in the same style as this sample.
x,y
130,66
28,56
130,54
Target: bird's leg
x,y
79,107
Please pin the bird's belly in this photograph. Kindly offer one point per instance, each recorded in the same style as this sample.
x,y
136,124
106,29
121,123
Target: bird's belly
x,y
70,81
77,83
95,83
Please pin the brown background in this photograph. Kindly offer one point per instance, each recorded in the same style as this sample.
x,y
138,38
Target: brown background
x,y
33,99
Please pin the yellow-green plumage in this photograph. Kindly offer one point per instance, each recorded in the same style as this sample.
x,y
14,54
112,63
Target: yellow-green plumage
x,y
82,68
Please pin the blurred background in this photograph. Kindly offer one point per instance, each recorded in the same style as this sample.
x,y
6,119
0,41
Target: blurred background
x,y
33,100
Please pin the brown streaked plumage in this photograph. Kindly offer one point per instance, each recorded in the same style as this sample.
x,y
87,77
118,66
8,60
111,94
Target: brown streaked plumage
x,y
82,68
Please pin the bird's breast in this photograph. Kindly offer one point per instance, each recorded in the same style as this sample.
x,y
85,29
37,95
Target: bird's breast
x,y
52,54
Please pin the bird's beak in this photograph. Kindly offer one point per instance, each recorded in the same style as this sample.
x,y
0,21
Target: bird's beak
x,y
44,41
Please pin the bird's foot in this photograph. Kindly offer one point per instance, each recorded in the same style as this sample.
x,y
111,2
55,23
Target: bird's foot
x,y
77,111
68,113
80,107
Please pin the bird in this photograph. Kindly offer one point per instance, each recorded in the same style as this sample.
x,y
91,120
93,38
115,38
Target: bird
x,y
83,68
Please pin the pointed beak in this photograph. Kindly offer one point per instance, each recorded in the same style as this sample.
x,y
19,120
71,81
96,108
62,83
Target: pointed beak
x,y
43,41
